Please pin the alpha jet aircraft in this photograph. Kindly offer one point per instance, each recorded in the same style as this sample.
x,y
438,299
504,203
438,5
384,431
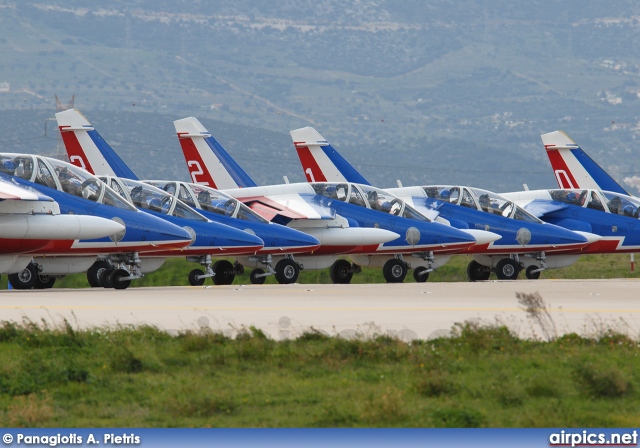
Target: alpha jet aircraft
x,y
78,192
29,220
88,149
82,140
521,233
612,215
429,244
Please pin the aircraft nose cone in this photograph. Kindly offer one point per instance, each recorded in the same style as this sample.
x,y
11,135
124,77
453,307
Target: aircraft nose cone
x,y
244,238
482,236
591,237
296,239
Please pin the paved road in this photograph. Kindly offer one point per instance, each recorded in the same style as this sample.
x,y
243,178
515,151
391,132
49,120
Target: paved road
x,y
411,310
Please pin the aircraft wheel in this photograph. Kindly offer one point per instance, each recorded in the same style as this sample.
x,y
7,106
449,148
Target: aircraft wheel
x,y
253,276
44,281
24,279
340,272
419,274
95,272
287,271
193,278
477,272
507,269
224,272
115,277
105,278
532,275
394,271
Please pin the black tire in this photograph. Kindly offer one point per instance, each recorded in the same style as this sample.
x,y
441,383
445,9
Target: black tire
x,y
507,269
394,271
253,276
105,278
115,277
95,272
193,277
532,275
341,272
224,272
477,272
24,279
419,274
287,271
44,281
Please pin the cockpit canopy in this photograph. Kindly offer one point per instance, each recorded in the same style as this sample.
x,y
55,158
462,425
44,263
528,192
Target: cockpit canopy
x,y
368,197
145,196
479,199
606,201
209,199
62,176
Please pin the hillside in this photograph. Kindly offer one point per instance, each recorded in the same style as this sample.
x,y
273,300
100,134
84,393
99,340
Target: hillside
x,y
454,92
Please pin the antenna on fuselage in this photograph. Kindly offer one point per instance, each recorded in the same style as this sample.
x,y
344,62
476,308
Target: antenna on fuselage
x,y
399,183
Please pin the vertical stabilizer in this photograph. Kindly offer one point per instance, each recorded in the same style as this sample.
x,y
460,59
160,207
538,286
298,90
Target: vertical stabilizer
x,y
573,168
320,161
208,162
87,149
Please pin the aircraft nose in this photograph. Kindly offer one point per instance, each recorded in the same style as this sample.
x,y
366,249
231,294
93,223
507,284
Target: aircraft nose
x,y
288,238
243,238
482,236
171,231
591,237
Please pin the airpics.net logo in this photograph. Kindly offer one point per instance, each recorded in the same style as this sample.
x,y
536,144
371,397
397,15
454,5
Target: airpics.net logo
x,y
588,438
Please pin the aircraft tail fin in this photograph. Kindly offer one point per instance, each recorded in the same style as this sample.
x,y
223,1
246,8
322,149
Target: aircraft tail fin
x,y
87,149
573,168
320,161
208,162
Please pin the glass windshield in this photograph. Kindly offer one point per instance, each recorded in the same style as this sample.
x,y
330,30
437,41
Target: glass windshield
x,y
573,197
18,165
622,205
333,191
148,197
479,199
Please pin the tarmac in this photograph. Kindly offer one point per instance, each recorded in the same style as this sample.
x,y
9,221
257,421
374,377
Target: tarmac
x,y
407,311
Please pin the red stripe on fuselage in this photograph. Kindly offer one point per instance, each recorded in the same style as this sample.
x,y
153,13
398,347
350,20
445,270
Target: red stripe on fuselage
x,y
309,163
20,246
74,150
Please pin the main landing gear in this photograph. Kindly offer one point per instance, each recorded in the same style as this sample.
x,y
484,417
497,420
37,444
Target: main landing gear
x,y
223,272
30,278
117,272
286,271
507,268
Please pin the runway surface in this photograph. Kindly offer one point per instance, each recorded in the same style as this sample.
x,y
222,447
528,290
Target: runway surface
x,y
408,311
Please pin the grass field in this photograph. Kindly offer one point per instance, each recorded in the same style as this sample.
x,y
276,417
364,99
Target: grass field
x,y
175,270
481,377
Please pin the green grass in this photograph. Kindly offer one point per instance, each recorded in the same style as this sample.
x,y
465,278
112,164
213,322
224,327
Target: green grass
x,y
481,377
175,270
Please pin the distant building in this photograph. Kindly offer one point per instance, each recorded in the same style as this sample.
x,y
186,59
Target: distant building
x,y
5,87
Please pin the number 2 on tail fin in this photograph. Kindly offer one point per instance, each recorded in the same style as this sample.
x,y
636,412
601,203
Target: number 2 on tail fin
x,y
196,171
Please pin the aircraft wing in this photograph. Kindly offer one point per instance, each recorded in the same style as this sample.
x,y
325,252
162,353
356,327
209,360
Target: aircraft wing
x,y
10,191
540,208
290,205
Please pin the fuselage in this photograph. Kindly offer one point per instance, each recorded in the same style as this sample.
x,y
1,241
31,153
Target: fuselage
x,y
417,234
613,216
474,208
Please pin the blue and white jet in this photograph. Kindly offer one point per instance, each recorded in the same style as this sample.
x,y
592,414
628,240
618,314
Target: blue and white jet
x,y
526,242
